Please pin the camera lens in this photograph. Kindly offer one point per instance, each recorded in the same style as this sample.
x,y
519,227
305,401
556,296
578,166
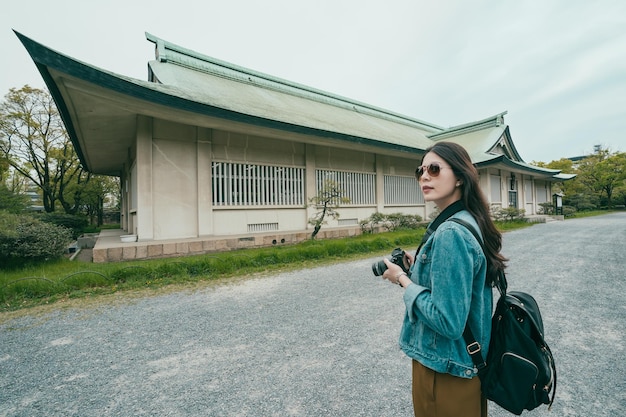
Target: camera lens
x,y
378,268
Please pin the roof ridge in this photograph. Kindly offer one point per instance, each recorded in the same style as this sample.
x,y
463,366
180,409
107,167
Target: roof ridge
x,y
178,55
493,121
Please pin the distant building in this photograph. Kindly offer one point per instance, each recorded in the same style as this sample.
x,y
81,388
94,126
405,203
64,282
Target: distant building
x,y
208,149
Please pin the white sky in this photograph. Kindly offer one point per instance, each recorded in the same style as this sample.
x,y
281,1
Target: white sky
x,y
557,66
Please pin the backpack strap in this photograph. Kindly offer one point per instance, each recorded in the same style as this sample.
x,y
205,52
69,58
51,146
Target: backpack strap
x,y
500,283
473,347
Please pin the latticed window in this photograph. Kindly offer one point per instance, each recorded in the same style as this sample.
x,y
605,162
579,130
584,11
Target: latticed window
x,y
402,190
512,198
358,187
257,185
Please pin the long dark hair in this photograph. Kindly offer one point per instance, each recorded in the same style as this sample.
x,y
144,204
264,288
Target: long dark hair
x,y
475,202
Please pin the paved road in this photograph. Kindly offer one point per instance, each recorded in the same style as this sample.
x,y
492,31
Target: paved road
x,y
318,342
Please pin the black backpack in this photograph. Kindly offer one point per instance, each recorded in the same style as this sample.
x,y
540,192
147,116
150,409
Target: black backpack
x,y
519,372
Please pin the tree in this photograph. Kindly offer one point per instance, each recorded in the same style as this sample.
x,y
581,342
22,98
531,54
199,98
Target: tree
x,y
34,142
95,194
601,173
11,201
4,167
32,133
614,175
599,176
565,166
329,197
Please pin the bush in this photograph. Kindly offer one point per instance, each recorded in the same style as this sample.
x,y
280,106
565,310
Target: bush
x,y
585,206
77,224
390,222
582,202
26,238
398,221
569,211
372,222
509,214
546,208
12,202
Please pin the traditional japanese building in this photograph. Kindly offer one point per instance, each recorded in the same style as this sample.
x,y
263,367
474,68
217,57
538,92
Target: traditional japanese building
x,y
214,156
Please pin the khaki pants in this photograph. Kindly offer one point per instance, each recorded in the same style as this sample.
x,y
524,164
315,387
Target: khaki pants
x,y
444,395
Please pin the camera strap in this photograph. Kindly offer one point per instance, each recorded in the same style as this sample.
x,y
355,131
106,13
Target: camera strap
x,y
442,217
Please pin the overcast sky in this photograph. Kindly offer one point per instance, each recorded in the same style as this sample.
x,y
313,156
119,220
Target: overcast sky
x,y
557,66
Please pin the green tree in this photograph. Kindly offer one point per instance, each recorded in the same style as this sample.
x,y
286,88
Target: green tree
x,y
4,166
327,200
599,177
565,166
11,201
32,132
602,173
34,142
95,194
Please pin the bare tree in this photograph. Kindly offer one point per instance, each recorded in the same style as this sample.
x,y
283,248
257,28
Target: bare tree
x,y
328,199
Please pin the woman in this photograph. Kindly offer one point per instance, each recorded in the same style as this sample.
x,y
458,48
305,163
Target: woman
x,y
449,286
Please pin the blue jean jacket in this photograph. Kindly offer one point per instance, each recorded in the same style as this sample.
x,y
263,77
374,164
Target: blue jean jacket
x,y
448,289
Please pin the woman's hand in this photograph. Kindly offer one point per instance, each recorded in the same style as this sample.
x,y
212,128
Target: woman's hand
x,y
408,260
393,273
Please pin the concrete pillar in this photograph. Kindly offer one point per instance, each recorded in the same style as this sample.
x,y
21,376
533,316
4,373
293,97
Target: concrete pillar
x,y
205,192
309,184
144,215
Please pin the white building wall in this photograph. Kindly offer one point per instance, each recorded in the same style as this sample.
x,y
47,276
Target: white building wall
x,y
205,205
174,196
237,222
175,185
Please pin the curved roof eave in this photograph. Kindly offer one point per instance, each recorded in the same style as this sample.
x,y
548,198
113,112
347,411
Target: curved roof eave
x,y
522,167
511,144
565,177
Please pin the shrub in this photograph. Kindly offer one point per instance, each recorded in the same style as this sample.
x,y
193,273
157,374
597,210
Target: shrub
x,y
397,221
569,211
582,202
508,214
390,222
584,206
12,202
26,238
372,222
546,208
75,223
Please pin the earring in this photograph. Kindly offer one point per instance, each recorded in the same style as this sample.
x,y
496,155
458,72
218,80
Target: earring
x,y
458,184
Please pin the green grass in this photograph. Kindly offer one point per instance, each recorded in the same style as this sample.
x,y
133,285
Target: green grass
x,y
591,213
506,226
50,282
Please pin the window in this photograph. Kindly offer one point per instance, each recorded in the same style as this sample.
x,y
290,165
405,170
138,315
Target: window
x,y
402,190
257,185
513,191
358,187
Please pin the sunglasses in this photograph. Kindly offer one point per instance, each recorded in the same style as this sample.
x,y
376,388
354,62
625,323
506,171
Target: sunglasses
x,y
433,170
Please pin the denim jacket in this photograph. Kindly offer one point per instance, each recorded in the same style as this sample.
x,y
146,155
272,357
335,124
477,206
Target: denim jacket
x,y
448,288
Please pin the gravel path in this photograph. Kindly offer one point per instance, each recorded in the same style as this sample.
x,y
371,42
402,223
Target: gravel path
x,y
316,342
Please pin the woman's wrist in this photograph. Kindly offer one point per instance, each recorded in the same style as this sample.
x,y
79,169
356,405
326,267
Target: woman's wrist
x,y
399,276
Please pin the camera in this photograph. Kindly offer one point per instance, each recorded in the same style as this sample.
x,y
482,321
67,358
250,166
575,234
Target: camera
x,y
397,257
